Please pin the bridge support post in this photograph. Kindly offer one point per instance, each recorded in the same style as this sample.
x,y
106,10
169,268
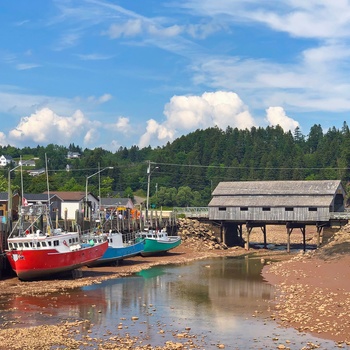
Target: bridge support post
x,y
223,233
319,229
290,226
249,229
250,226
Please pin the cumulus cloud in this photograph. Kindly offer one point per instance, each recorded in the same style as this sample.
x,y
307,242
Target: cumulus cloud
x,y
45,126
277,116
123,124
91,136
3,139
187,113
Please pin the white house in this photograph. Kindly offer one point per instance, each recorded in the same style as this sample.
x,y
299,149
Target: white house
x,y
5,160
75,201
73,155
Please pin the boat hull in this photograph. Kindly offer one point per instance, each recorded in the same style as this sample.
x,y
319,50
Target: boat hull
x,y
38,263
154,246
114,254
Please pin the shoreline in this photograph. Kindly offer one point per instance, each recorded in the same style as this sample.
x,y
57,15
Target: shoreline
x,y
310,296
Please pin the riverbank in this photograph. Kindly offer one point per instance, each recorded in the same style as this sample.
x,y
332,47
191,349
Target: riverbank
x,y
314,290
313,293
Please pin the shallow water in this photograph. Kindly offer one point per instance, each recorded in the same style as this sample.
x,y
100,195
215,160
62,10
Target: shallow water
x,y
222,301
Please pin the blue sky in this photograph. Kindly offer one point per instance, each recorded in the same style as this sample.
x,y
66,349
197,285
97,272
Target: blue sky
x,y
115,73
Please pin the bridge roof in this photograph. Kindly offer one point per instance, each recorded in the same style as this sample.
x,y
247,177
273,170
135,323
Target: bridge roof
x,y
276,193
271,201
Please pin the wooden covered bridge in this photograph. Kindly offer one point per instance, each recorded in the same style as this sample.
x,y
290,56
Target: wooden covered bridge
x,y
294,204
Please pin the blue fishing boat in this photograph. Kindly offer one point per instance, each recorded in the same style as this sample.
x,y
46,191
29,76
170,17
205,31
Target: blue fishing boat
x,y
120,246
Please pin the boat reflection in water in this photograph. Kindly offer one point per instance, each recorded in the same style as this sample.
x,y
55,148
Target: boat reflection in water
x,y
223,300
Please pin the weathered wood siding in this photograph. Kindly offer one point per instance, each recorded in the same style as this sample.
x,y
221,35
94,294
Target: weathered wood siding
x,y
300,214
276,201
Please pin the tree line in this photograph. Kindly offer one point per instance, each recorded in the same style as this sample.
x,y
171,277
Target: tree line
x,y
186,171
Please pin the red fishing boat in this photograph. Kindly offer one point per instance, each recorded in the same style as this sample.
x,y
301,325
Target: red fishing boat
x,y
38,250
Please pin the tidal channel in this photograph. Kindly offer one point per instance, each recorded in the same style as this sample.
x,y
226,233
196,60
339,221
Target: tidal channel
x,y
218,302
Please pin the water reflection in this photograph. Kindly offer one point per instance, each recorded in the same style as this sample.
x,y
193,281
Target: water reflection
x,y
223,300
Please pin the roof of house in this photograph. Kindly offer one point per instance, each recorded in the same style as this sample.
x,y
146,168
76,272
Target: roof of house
x,y
39,196
276,193
3,196
73,196
115,202
7,157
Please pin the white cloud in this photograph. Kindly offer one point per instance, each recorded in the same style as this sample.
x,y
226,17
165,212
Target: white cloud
x,y
299,18
136,27
123,124
99,100
26,66
277,116
188,113
3,139
45,126
130,28
91,136
313,19
105,98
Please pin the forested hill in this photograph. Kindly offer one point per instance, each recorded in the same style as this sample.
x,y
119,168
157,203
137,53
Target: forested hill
x,y
185,171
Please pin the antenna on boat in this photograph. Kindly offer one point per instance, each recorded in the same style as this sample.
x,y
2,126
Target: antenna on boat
x,y
47,183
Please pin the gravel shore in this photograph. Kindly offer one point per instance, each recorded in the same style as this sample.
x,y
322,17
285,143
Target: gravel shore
x,y
313,291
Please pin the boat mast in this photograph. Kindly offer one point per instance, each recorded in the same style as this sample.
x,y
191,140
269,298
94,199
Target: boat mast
x,y
47,182
22,193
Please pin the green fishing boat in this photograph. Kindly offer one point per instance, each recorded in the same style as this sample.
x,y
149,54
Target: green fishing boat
x,y
157,242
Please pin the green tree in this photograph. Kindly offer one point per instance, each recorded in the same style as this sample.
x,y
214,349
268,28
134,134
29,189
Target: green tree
x,y
184,197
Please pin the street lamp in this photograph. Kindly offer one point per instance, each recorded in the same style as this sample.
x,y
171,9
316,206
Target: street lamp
x,y
149,172
86,185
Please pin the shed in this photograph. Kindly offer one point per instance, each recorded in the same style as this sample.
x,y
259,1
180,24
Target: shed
x,y
277,201
55,202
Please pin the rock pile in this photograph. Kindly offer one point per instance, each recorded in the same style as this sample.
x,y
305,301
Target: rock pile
x,y
199,236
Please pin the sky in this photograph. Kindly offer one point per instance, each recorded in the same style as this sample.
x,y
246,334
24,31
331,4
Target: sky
x,y
111,74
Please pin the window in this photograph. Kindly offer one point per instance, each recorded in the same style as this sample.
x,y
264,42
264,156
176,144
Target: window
x,y
289,209
56,243
266,209
312,209
244,208
26,244
222,208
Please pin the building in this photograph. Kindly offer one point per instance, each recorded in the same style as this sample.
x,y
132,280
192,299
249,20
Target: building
x,y
293,203
73,155
73,202
121,206
277,201
37,172
54,204
6,160
29,162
